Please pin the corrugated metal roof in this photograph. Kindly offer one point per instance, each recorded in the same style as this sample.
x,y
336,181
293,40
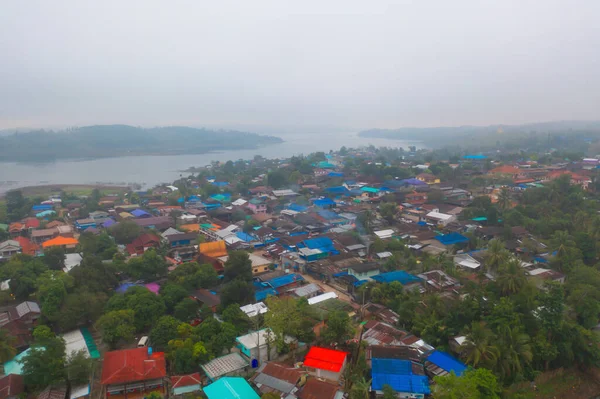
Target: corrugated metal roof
x,y
224,365
274,383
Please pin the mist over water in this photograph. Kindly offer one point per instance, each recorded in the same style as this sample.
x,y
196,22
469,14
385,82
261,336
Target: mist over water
x,y
151,170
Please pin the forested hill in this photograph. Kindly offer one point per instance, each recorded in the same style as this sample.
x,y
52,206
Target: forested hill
x,y
477,135
122,140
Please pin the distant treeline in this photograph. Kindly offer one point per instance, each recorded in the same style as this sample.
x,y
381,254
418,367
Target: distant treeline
x,y
121,140
506,136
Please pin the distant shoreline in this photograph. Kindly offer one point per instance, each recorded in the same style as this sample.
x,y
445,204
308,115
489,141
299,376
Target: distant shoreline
x,y
49,189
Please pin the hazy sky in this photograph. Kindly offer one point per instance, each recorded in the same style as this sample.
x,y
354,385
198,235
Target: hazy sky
x,y
349,63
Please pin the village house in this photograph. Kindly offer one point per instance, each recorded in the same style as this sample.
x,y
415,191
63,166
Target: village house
x,y
182,385
278,378
133,373
9,248
428,178
325,363
226,366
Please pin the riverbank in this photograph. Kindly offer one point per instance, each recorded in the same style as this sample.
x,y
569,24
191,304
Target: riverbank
x,y
77,189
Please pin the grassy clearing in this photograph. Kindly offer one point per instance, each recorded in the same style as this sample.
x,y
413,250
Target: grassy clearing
x,y
557,384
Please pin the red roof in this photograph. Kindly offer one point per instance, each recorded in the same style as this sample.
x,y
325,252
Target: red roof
x,y
325,359
185,380
11,386
130,365
32,223
505,170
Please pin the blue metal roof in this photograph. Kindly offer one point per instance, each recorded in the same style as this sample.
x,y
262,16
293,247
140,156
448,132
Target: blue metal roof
x,y
41,207
263,294
400,275
452,238
245,236
336,174
285,280
446,362
139,213
324,202
337,190
397,374
322,243
475,157
297,208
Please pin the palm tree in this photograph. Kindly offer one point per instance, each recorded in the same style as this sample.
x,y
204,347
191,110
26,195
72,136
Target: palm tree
x,y
360,389
515,352
496,254
504,199
478,348
560,242
511,278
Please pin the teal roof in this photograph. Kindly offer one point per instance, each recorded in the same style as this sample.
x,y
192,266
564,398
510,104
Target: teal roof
x,y
230,388
370,189
15,366
479,219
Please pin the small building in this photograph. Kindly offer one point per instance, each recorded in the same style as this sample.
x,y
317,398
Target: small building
x,y
466,261
257,205
254,309
438,280
317,389
143,243
408,280
428,178
133,370
399,375
82,224
208,298
228,365
439,218
230,388
364,271
40,236
184,384
440,363
278,378
53,392
71,261
306,291
64,242
11,386
9,248
325,363
258,345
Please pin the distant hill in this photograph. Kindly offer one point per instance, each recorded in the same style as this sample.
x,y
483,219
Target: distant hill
x,y
441,136
121,140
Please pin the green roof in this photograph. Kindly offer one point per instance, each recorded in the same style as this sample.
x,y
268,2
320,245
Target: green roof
x,y
3,227
230,388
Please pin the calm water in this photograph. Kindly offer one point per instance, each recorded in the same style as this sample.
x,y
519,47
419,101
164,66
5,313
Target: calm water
x,y
151,170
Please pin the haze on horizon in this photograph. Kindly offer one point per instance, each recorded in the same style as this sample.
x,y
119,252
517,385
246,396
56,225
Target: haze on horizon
x,y
350,63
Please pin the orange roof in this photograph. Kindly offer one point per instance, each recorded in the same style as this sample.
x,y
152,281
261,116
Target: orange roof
x,y
190,227
16,226
505,170
27,247
60,241
213,249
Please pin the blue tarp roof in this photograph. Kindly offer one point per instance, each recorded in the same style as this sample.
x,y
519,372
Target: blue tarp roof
x,y
324,202
41,207
422,223
180,200
297,208
447,362
220,183
400,275
397,374
245,236
108,223
193,198
318,242
475,157
285,280
263,294
139,213
124,287
336,174
337,190
452,238
329,215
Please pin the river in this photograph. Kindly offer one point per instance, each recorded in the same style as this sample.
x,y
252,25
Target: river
x,y
154,169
